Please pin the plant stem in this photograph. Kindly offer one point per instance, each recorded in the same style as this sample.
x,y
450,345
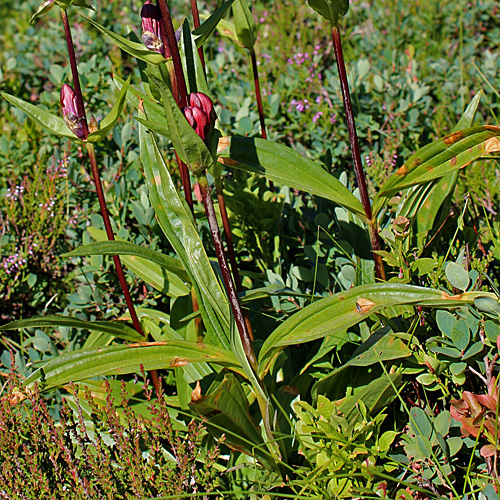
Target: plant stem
x,y
109,232
230,248
226,274
258,94
258,97
196,22
182,99
356,155
98,184
176,58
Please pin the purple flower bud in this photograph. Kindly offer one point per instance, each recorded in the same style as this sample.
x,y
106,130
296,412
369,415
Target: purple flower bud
x,y
200,114
70,111
151,27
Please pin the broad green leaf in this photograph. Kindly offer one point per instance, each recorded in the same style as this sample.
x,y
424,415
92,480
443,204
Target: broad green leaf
x,y
164,273
246,29
153,109
50,123
227,411
193,69
116,328
177,223
377,348
375,396
123,359
440,158
332,10
457,276
186,142
488,304
202,33
285,166
135,49
333,315
439,196
108,123
460,335
445,321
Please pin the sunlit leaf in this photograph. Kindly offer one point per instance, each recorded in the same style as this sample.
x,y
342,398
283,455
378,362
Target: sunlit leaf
x,y
116,328
283,165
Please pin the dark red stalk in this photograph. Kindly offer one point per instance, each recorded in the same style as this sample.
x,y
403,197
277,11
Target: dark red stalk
x,y
226,274
258,96
230,249
356,155
207,200
98,184
196,22
182,100
176,58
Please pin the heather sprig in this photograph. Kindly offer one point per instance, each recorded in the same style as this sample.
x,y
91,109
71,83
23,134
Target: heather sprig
x,y
113,455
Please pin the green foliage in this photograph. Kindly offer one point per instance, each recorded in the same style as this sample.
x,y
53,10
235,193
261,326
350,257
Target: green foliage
x,y
349,453
356,381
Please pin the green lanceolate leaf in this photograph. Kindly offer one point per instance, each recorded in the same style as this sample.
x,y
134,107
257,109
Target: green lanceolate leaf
x,y
177,223
333,315
186,142
285,166
116,328
246,29
51,123
122,359
44,8
193,69
108,123
227,411
164,273
332,10
135,49
438,198
154,111
440,158
65,4
202,33
379,347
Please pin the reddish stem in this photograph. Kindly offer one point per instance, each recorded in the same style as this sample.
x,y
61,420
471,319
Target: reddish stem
x,y
176,58
258,96
230,249
182,100
356,155
226,274
98,184
196,22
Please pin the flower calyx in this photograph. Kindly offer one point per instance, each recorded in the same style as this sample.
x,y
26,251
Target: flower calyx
x,y
74,121
151,27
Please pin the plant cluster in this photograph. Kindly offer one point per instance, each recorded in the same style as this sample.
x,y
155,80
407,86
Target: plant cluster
x,y
339,329
93,451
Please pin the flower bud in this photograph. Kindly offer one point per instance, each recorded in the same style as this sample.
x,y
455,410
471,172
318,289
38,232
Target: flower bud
x,y
70,111
151,27
200,114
